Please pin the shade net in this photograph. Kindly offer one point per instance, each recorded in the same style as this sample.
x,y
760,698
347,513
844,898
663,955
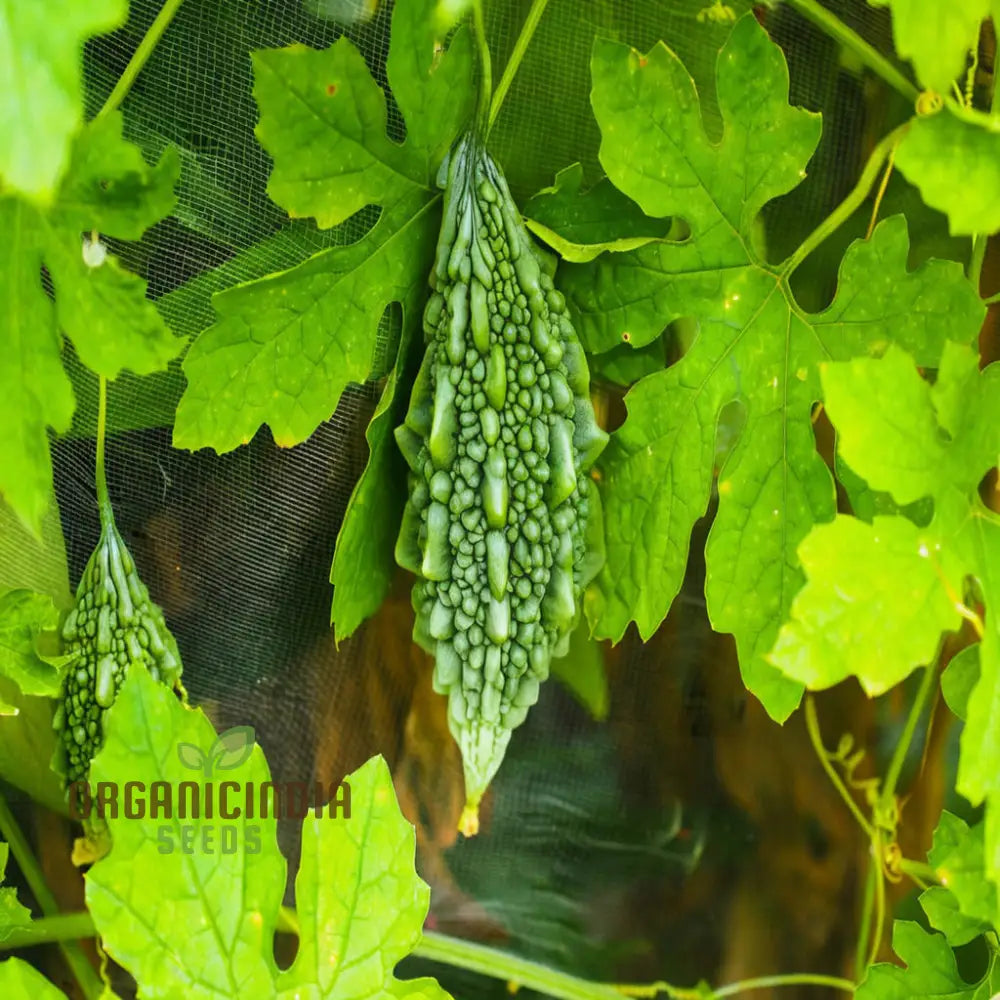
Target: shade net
x,y
682,836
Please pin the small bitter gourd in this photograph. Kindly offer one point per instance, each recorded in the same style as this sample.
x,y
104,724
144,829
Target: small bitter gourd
x,y
112,624
499,435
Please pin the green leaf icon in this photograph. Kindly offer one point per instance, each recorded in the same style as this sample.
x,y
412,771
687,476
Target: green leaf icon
x,y
192,756
232,748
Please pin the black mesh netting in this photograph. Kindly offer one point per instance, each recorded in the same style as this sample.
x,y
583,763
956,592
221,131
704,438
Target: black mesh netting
x,y
621,850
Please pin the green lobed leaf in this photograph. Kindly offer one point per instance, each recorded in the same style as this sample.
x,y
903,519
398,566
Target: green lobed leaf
x,y
909,438
284,347
937,37
12,913
208,930
95,304
581,225
956,166
914,440
40,59
360,903
34,390
27,741
931,971
110,187
103,309
754,344
964,905
21,981
363,564
874,606
24,617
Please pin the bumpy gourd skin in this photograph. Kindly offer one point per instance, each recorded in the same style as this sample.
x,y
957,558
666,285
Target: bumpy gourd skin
x,y
499,435
112,624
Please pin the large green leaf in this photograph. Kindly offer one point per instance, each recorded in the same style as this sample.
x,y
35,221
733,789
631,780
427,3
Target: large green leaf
x,y
207,931
755,345
27,741
955,164
931,971
914,440
24,617
937,37
864,581
359,901
581,225
284,348
40,59
12,913
101,309
363,564
964,905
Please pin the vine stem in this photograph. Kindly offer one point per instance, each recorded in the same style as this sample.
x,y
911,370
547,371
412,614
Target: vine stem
x,y
140,57
513,64
485,65
888,790
850,204
82,970
850,39
103,499
474,958
738,989
878,928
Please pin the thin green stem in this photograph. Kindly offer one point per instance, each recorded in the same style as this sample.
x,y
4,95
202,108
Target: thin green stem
x,y
879,925
992,299
140,57
513,64
736,989
794,979
888,790
816,738
850,204
920,874
865,930
49,930
103,499
511,969
472,957
831,25
82,970
485,66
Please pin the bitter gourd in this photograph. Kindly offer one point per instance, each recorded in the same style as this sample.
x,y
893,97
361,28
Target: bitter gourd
x,y
499,435
112,624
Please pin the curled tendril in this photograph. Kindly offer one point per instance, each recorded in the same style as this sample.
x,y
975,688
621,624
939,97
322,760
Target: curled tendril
x,y
849,760
892,858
